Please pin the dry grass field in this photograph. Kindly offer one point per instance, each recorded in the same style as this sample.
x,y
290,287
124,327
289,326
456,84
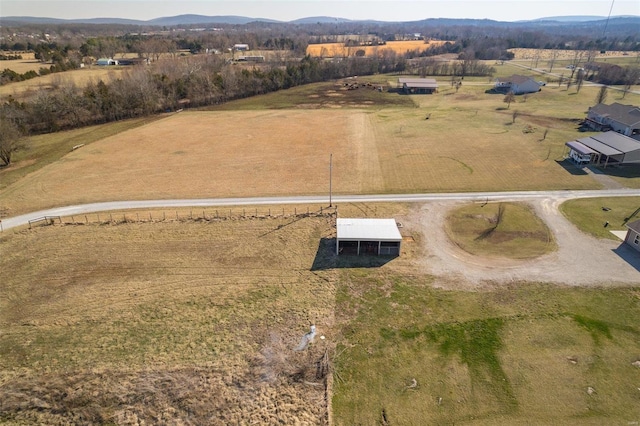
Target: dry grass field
x,y
546,54
194,321
79,77
211,154
469,143
340,50
163,323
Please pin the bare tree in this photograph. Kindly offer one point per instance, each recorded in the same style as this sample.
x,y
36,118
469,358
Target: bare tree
x,y
509,97
10,140
601,97
552,61
631,78
579,80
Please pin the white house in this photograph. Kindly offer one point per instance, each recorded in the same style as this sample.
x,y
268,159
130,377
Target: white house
x,y
518,84
633,235
240,47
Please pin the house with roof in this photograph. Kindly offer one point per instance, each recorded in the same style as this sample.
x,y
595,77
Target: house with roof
x,y
633,235
416,86
518,84
621,118
605,149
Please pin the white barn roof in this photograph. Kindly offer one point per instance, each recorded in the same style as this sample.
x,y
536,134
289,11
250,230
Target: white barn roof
x,y
368,230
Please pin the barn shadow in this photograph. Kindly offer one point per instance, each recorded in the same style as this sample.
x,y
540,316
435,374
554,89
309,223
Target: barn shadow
x,y
570,167
326,258
629,255
622,171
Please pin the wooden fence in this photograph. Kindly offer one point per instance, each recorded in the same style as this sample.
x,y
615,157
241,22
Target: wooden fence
x,y
195,215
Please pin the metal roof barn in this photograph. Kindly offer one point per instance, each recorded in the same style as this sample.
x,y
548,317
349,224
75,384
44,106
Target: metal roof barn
x,y
368,236
608,148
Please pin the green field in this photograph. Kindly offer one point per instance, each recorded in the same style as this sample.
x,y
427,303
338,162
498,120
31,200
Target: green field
x,y
525,353
499,229
590,214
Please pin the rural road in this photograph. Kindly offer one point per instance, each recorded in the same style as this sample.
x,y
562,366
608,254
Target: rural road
x,y
12,222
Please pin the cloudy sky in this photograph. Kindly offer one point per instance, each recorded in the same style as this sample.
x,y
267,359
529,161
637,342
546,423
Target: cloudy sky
x,y
286,10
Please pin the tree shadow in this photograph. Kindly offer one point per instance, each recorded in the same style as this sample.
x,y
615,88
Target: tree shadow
x,y
326,258
629,255
571,167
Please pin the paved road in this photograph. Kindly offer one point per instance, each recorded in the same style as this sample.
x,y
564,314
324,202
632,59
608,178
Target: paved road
x,y
13,222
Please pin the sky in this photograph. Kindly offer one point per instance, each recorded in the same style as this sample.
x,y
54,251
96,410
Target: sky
x,y
287,10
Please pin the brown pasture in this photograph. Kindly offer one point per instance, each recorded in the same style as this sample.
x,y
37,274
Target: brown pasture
x,y
212,154
286,152
399,47
546,54
79,77
159,322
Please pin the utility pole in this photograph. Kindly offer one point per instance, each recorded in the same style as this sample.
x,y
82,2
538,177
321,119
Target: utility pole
x,y
330,171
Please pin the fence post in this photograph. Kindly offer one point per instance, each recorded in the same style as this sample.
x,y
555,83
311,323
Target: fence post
x,y
150,218
110,217
164,216
283,212
177,218
72,221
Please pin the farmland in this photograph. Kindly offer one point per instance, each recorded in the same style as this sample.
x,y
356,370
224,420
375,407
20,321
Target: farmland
x,y
162,320
379,142
398,47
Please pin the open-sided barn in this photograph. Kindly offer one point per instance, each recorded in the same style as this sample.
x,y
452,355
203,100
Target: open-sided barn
x,y
368,236
609,148
417,85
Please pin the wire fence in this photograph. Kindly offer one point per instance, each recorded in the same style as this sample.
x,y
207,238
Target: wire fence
x,y
193,215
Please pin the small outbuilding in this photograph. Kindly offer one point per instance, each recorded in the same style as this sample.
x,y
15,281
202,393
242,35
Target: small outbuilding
x,y
633,235
106,62
377,237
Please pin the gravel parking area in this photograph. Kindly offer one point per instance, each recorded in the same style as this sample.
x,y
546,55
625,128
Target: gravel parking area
x,y
580,259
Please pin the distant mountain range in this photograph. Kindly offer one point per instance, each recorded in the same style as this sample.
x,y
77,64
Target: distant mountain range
x,y
171,21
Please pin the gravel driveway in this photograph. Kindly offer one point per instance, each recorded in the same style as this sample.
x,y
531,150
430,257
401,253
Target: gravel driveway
x,y
580,259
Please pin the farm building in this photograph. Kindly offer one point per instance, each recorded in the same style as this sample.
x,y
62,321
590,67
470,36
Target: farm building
x,y
518,84
633,235
256,58
368,237
623,119
416,86
133,61
609,148
106,61
241,47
